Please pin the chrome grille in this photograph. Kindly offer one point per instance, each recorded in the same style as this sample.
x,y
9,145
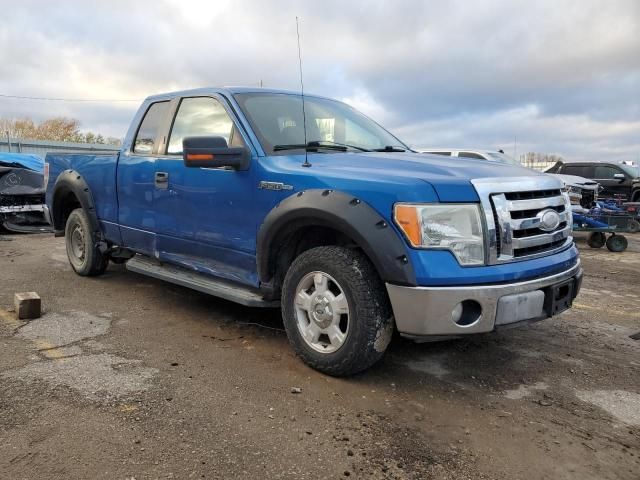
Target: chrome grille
x,y
513,210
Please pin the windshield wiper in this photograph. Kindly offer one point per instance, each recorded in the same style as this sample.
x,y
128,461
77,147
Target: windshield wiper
x,y
355,147
315,145
390,148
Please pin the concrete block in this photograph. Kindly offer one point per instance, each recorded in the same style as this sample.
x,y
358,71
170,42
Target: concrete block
x,y
27,305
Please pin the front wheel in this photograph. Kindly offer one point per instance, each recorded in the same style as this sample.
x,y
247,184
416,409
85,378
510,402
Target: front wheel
x,y
617,243
84,255
336,311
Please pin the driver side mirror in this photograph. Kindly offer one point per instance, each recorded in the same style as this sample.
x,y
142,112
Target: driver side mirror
x,y
620,177
213,152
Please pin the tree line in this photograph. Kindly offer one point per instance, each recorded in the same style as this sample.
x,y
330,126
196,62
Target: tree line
x,y
58,129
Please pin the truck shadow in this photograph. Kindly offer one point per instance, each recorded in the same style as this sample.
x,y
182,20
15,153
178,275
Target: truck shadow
x,y
493,362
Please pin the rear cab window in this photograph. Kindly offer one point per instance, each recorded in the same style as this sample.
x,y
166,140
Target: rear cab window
x,y
149,128
577,170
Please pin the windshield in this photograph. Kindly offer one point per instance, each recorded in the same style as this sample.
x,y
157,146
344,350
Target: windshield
x,y
277,120
501,157
632,170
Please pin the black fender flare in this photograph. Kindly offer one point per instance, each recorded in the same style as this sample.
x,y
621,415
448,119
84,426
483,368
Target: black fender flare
x,y
68,182
345,213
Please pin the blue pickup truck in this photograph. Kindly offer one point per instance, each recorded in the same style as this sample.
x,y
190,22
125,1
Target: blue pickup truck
x,y
268,198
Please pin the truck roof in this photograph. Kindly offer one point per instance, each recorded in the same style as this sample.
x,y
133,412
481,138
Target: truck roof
x,y
225,90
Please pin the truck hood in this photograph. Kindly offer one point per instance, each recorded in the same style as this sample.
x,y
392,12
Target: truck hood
x,y
575,181
22,160
450,179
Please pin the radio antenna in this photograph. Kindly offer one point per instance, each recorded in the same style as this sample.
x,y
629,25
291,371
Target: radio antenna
x,y
304,115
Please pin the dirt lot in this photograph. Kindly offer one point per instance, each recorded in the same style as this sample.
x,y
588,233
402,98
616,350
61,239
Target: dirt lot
x,y
127,377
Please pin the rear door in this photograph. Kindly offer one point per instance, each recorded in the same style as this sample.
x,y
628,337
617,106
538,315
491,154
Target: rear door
x,y
579,170
136,181
206,218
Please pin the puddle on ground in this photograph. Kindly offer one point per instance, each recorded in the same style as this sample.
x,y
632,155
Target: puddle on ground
x,y
623,405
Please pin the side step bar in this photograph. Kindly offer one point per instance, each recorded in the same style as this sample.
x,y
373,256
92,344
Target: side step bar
x,y
198,281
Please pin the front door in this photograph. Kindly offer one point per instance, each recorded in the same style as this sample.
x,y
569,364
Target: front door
x,y
205,217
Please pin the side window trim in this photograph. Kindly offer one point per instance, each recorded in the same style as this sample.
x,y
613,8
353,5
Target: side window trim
x,y
174,113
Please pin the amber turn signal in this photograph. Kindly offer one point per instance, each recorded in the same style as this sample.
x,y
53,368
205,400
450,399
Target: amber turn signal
x,y
407,219
199,156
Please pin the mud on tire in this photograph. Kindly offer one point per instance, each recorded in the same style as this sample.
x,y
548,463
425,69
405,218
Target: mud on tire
x,y
370,323
84,256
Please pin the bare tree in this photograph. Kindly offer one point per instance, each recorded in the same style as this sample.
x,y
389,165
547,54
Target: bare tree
x,y
59,129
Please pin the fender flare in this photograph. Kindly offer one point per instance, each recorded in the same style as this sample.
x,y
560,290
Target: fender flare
x,y
68,182
345,213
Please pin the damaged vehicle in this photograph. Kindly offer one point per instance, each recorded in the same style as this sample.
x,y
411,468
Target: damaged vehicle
x,y
22,193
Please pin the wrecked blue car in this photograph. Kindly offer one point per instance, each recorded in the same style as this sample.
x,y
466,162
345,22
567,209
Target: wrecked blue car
x,y
21,193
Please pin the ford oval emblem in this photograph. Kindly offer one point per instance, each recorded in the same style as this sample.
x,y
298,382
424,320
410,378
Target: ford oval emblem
x,y
549,220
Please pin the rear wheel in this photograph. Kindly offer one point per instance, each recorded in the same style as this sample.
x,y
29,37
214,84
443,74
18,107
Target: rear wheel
x,y
596,240
84,256
633,226
336,311
617,243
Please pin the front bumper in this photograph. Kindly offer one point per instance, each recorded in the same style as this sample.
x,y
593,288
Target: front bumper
x,y
47,215
425,311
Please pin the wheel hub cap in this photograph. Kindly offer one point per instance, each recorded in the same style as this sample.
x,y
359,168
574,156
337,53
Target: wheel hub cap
x,y
322,312
77,242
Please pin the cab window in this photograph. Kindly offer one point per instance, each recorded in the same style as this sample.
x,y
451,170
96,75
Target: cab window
x,y
605,172
149,127
202,117
470,155
577,170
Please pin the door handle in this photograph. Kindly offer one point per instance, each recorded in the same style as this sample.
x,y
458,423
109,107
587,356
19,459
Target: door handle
x,y
162,180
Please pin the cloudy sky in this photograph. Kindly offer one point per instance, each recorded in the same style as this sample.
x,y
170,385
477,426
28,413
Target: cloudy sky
x,y
558,76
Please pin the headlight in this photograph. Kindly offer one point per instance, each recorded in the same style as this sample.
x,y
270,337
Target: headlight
x,y
454,227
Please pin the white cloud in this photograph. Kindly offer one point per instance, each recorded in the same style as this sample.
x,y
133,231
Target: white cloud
x,y
559,76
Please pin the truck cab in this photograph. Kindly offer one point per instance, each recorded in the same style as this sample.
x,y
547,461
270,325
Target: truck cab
x,y
269,198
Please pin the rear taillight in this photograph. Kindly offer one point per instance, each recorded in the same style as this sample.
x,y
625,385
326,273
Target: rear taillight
x,y
46,175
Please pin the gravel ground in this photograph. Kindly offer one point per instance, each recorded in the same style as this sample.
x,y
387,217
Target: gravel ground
x,y
128,377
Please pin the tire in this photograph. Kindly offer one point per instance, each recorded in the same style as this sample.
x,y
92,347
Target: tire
x,y
633,226
83,254
617,243
320,284
596,240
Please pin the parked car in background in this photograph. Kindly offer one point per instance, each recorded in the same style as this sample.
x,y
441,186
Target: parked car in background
x,y
582,191
22,193
617,179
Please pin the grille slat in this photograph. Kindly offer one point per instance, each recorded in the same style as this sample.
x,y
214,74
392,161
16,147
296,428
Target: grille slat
x,y
529,195
517,216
